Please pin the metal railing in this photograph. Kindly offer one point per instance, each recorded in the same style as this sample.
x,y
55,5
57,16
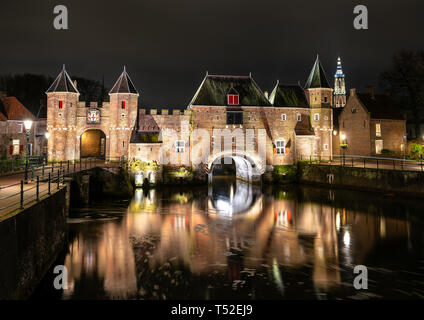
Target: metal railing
x,y
44,180
366,162
17,165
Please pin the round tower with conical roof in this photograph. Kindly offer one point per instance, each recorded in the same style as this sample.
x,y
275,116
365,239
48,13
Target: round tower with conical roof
x,y
122,114
320,98
62,103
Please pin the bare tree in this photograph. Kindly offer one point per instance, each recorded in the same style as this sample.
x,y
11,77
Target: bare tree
x,y
405,82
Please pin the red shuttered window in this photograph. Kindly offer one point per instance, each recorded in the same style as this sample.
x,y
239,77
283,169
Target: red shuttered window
x,y
233,99
60,104
123,104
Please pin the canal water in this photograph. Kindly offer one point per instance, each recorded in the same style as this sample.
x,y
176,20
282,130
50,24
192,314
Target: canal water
x,y
237,241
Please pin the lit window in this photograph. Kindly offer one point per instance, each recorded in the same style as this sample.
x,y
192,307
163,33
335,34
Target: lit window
x,y
60,104
378,129
280,146
299,117
20,128
378,146
180,146
316,116
123,105
283,117
232,99
16,148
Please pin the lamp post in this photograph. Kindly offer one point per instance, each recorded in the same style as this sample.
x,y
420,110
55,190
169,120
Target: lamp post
x,y
28,125
343,146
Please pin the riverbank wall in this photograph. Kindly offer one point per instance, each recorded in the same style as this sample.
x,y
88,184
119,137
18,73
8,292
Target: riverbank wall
x,y
30,241
409,183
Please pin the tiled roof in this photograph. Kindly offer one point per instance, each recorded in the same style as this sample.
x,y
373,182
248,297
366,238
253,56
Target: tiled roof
x,y
288,95
62,83
303,127
15,110
147,123
214,89
317,77
145,137
381,107
123,84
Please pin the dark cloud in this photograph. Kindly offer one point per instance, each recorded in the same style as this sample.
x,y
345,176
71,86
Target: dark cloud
x,y
168,45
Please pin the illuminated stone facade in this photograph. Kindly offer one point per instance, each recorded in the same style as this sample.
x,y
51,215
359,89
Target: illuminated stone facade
x,y
67,118
229,116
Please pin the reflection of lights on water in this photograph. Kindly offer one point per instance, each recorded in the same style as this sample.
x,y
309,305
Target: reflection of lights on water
x,y
338,221
382,227
284,217
224,207
138,195
179,222
277,275
346,239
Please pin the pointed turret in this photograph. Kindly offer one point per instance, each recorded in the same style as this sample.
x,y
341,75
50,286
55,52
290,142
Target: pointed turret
x,y
123,84
317,78
62,83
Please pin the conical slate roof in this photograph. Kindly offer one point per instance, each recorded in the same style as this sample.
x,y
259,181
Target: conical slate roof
x,y
317,78
62,83
123,84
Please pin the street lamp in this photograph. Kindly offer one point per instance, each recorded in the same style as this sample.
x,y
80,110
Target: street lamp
x,y
28,125
343,146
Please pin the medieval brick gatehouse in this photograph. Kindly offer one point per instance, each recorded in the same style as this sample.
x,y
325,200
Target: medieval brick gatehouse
x,y
77,131
264,131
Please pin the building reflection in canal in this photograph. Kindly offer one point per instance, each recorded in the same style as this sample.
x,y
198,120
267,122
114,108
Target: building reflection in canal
x,y
232,240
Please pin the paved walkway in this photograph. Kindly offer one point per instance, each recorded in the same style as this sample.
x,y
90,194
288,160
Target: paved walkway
x,y
10,185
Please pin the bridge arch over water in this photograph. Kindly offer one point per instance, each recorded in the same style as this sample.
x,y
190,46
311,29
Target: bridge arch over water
x,y
248,167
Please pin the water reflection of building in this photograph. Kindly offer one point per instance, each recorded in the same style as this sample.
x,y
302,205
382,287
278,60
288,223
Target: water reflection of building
x,y
185,230
104,254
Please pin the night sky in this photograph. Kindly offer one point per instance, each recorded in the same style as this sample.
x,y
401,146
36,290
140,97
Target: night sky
x,y
168,45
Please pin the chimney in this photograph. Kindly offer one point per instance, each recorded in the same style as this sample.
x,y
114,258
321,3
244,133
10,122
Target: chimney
x,y
370,91
266,94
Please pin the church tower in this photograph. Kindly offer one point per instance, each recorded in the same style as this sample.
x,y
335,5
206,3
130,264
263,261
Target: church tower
x,y
62,103
320,98
122,114
339,86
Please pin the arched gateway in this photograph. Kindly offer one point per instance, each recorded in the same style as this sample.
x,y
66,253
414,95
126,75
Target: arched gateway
x,y
248,167
93,144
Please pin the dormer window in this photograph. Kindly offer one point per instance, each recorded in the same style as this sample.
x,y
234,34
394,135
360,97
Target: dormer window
x,y
232,99
60,104
123,104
